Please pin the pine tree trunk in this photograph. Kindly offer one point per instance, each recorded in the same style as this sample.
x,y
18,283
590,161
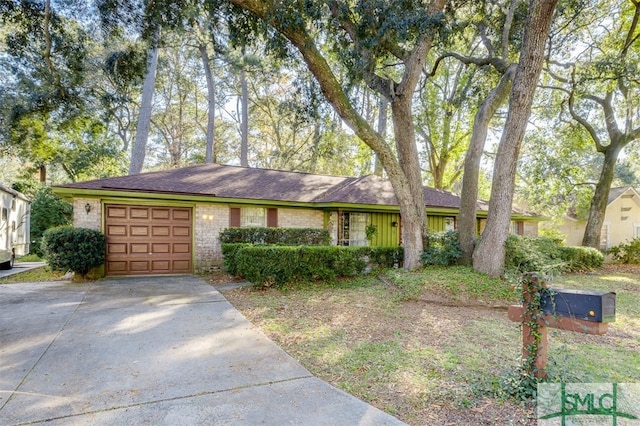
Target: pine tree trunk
x,y
146,107
211,114
244,124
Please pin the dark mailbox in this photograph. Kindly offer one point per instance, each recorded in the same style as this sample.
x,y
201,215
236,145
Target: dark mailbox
x,y
585,305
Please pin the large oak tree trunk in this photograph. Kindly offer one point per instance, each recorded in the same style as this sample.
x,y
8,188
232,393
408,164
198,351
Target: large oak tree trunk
x,y
410,197
600,199
469,195
490,253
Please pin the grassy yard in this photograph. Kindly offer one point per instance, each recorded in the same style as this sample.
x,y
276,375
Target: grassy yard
x,y
436,347
35,275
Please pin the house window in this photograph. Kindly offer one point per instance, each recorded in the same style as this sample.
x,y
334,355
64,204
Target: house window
x,y
636,230
604,237
5,213
253,217
449,223
13,204
354,229
517,227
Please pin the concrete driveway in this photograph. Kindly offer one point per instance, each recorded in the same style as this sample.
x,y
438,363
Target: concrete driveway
x,y
152,351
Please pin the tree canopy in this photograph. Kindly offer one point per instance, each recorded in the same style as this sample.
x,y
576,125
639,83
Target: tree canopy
x,y
309,86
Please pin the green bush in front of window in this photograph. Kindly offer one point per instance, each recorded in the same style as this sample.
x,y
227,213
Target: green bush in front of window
x,y
272,265
443,249
283,236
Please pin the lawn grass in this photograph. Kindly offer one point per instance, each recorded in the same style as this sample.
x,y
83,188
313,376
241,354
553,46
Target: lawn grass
x,y
436,346
614,357
42,274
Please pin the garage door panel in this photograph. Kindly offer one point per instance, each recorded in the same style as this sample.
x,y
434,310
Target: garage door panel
x,y
116,267
182,265
116,231
158,248
139,266
148,240
117,248
138,248
181,231
161,265
160,214
181,248
139,213
160,231
116,212
181,215
139,231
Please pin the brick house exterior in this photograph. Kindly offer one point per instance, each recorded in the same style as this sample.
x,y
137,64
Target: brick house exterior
x,y
143,215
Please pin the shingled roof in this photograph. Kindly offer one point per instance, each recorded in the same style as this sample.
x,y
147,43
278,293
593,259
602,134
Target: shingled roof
x,y
222,181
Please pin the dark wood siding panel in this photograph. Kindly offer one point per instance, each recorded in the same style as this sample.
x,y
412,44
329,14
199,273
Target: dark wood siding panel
x,y
234,216
272,218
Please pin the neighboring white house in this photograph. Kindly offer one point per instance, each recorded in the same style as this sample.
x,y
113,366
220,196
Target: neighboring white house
x,y
15,211
621,220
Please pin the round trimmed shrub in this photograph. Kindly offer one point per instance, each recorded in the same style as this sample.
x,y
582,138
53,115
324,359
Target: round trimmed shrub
x,y
74,249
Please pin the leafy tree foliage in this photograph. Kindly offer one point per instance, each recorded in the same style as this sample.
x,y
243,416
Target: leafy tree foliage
x,y
48,112
601,90
47,211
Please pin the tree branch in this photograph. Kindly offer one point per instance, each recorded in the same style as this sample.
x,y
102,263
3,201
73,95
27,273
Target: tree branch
x,y
610,118
499,64
415,60
588,127
634,24
507,29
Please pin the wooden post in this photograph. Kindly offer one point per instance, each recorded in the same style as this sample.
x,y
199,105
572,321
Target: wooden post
x,y
532,286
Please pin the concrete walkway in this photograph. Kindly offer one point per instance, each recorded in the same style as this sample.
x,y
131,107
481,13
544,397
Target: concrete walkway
x,y
152,351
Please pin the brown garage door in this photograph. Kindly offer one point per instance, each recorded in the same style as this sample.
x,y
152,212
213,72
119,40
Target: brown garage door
x,y
144,240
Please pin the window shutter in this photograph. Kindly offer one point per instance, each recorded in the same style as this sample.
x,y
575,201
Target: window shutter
x,y
234,216
520,227
272,218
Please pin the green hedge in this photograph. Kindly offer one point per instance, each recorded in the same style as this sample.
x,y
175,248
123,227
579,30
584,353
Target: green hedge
x,y
628,253
278,265
229,251
444,249
581,258
74,249
548,255
283,236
